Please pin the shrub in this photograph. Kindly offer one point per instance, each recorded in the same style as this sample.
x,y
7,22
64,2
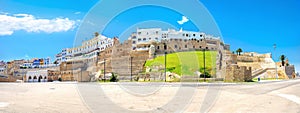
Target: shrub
x,y
207,75
114,78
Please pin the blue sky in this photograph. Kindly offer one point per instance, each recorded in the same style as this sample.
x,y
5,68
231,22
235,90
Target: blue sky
x,y
253,25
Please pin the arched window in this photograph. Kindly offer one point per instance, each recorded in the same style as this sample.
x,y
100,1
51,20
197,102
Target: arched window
x,y
29,77
34,77
45,77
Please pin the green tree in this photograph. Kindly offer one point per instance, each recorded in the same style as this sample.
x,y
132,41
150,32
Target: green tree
x,y
282,58
238,51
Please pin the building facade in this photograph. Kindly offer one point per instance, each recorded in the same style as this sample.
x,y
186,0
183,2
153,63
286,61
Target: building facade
x,y
36,76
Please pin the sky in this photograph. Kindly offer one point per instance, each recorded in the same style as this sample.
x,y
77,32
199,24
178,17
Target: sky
x,y
38,29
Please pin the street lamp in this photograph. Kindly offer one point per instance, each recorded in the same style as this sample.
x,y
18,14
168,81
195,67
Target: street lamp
x,y
276,74
131,68
204,62
104,70
165,48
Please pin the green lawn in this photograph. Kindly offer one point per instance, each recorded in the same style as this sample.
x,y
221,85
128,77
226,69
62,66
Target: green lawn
x,y
186,63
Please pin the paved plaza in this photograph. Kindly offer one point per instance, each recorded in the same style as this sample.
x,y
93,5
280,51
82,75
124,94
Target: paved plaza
x,y
72,97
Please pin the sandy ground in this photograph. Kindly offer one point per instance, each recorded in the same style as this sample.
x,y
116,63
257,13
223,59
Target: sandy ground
x,y
275,97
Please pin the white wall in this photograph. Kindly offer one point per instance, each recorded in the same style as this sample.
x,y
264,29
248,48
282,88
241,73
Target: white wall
x,y
37,74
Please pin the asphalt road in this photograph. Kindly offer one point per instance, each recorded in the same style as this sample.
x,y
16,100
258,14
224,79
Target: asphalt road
x,y
66,97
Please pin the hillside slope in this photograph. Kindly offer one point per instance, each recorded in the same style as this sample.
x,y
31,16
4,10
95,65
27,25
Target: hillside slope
x,y
186,63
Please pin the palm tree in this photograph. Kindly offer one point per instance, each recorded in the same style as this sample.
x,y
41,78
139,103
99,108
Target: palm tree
x,y
96,34
238,51
282,58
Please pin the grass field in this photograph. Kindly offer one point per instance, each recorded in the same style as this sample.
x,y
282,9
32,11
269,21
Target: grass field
x,y
186,63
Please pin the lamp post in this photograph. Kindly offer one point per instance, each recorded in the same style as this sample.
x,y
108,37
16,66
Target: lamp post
x,y
104,70
204,62
165,48
131,68
276,74
204,59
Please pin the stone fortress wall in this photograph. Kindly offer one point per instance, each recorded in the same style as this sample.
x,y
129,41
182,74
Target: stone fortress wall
x,y
128,58
234,73
263,66
118,58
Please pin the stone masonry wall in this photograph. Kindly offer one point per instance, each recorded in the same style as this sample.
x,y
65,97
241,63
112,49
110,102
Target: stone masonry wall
x,y
234,73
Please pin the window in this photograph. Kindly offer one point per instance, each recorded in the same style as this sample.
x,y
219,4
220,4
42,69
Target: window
x,y
175,46
200,47
158,47
183,34
139,39
156,38
185,46
156,32
144,39
186,35
193,46
194,35
133,42
180,39
139,33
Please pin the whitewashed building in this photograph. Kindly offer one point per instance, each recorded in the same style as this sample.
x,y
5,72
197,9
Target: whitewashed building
x,y
87,50
157,34
36,76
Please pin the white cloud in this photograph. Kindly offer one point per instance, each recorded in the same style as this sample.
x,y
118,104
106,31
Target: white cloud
x,y
27,22
76,13
183,20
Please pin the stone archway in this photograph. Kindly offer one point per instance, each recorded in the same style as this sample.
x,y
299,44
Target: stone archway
x,y
29,79
34,79
45,79
40,78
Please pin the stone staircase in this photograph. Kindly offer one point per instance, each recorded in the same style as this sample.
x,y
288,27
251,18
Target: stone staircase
x,y
260,71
